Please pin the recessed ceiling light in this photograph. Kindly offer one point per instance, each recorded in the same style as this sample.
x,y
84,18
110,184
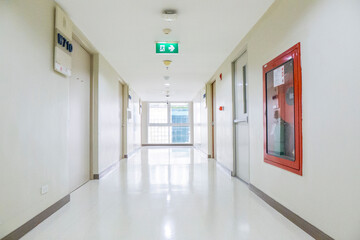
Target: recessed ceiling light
x,y
167,84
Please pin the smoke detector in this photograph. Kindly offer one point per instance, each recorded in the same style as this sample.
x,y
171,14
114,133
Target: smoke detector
x,y
169,15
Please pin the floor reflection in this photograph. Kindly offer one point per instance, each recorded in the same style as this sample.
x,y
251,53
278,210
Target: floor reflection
x,y
162,169
166,193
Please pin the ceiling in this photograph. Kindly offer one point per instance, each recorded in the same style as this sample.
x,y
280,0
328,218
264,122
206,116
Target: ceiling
x,y
125,32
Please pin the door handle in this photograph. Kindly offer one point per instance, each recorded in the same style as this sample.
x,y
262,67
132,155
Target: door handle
x,y
243,119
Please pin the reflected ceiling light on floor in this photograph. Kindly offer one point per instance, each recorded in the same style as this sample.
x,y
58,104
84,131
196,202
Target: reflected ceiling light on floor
x,y
167,231
167,84
169,15
166,30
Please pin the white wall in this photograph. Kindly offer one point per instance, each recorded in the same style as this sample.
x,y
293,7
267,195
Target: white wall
x,y
110,97
327,194
133,123
34,113
200,117
34,108
144,123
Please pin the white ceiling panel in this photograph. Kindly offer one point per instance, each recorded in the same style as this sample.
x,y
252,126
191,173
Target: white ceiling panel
x,y
125,33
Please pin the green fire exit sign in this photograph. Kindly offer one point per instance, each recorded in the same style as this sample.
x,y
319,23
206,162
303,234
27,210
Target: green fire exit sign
x,y
167,47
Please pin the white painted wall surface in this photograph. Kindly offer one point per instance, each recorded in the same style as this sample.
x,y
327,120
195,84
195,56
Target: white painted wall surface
x,y
224,119
200,117
34,113
327,195
110,115
133,123
144,122
34,107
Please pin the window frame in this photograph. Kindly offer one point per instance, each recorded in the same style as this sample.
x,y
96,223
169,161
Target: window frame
x,y
292,166
169,124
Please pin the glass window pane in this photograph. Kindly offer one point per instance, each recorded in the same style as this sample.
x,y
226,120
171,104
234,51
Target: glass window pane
x,y
179,112
158,113
280,111
180,134
158,134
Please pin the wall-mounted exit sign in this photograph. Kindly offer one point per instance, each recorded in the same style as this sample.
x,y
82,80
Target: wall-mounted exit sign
x,y
167,47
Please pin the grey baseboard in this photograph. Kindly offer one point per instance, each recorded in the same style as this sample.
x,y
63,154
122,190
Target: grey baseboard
x,y
32,223
133,152
296,219
125,156
106,171
228,171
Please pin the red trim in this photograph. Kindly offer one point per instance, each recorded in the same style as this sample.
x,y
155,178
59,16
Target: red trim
x,y
296,166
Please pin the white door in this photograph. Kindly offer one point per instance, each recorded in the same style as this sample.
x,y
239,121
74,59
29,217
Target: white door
x,y
242,166
79,118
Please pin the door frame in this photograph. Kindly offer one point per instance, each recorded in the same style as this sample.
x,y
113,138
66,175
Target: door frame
x,y
213,119
242,52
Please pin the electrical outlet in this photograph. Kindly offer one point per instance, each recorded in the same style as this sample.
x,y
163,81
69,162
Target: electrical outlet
x,y
44,189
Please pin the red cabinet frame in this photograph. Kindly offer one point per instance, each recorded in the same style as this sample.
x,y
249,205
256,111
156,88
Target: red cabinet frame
x,y
292,166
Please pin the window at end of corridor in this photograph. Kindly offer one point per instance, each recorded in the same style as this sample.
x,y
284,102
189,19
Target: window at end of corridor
x,y
169,123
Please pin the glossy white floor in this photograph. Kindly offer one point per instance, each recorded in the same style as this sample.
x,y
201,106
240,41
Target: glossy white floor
x,y
166,193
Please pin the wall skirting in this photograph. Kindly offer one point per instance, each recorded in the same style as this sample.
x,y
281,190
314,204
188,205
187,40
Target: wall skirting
x,y
32,223
133,152
297,220
228,171
106,171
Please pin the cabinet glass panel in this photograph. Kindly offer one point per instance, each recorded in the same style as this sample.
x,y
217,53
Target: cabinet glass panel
x,y
280,115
